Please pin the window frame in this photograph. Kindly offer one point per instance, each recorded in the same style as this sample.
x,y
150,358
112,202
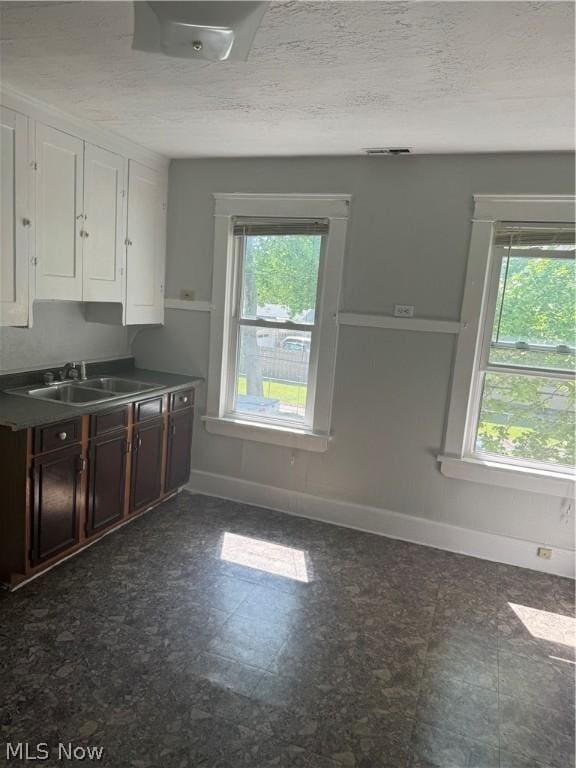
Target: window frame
x,y
220,418
236,322
459,458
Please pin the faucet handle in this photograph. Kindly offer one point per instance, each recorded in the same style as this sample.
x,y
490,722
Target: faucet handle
x,y
48,377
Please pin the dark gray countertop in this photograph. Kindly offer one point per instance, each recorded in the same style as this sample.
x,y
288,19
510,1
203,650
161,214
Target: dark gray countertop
x,y
19,412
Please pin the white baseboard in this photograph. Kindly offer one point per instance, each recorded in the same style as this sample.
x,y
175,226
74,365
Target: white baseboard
x,y
395,525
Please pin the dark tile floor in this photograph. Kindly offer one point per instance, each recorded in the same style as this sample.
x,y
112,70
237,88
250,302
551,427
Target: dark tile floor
x,y
169,645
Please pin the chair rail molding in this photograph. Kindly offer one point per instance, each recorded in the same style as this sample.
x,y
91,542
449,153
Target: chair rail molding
x,y
425,324
189,306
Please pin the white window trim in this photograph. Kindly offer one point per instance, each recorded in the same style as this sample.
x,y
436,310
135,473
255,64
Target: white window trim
x,y
335,208
457,459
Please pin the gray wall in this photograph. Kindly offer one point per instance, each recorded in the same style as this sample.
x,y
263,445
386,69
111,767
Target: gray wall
x,y
59,334
408,243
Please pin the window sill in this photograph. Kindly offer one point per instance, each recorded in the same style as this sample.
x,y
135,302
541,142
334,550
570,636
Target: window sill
x,y
508,476
264,433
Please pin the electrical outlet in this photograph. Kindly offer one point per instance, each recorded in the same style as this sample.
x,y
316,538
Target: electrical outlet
x,y
403,310
545,553
186,294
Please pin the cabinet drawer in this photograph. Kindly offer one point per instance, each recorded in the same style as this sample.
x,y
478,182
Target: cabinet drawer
x,y
148,409
109,421
57,435
180,400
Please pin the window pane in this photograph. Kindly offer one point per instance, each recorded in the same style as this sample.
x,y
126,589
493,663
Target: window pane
x,y
528,417
280,277
535,308
272,376
533,358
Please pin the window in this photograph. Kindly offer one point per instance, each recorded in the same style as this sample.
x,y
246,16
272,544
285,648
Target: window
x,y
527,368
517,357
273,343
274,325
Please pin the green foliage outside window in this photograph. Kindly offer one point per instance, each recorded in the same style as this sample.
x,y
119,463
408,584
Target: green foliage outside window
x,y
524,416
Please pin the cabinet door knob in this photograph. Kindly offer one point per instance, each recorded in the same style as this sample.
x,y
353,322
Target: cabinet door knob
x,y
26,223
185,399
127,241
62,435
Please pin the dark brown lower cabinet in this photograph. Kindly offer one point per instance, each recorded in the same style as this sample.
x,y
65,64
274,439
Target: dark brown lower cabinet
x,y
179,447
55,502
106,481
146,478
65,484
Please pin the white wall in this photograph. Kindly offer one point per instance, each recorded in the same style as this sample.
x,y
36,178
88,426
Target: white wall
x,y
59,334
408,242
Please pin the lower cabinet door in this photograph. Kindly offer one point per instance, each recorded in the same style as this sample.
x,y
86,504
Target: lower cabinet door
x,y
146,464
179,447
106,482
55,503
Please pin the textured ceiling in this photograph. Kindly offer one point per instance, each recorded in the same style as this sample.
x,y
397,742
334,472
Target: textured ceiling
x,y
323,77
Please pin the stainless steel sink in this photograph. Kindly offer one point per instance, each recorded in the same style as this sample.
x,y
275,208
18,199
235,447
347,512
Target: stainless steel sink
x,y
82,393
71,394
117,386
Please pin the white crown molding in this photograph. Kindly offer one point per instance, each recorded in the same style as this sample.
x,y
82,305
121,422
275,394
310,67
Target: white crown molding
x,y
84,129
399,323
395,525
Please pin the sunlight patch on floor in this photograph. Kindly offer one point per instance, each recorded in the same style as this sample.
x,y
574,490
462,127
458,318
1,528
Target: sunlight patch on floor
x,y
545,625
265,556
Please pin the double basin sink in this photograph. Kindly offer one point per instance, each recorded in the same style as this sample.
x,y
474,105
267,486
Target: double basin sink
x,y
87,392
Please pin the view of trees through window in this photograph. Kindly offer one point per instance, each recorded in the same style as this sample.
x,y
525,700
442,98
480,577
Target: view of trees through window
x,y
279,285
526,414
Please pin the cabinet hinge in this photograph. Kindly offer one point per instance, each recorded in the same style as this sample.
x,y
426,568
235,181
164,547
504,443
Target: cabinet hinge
x,y
123,193
35,261
34,165
164,206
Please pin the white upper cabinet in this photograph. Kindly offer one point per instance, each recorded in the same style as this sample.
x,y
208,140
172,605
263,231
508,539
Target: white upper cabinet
x,y
79,220
15,218
146,237
59,225
103,230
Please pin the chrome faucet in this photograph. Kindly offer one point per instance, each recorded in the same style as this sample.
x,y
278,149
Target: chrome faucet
x,y
73,371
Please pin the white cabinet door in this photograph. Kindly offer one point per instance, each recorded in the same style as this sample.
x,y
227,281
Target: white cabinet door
x,y
15,218
146,242
103,239
59,226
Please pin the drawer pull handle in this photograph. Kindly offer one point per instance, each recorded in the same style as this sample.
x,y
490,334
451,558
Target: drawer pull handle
x,y
62,435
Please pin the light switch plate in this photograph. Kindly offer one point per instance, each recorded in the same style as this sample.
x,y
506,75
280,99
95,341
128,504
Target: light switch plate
x,y
403,310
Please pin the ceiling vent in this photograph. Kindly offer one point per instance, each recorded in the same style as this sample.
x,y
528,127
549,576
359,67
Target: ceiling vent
x,y
210,31
387,151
